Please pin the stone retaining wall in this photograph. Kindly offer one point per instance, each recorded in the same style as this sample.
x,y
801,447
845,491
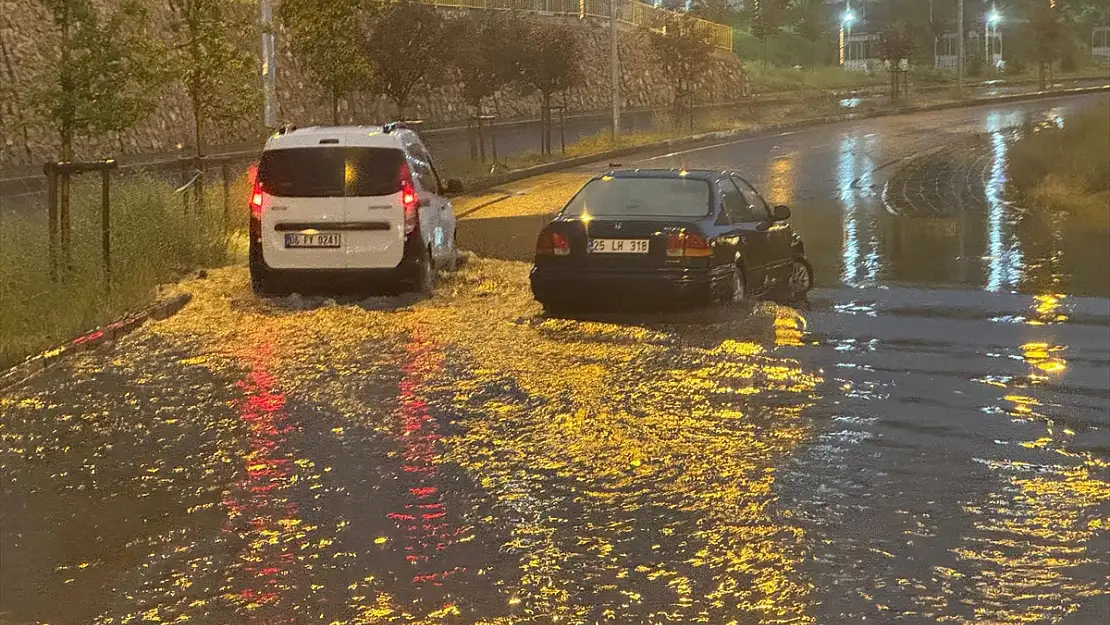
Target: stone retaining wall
x,y
24,141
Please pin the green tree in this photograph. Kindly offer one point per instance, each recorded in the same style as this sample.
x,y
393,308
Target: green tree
x,y
215,60
485,60
767,18
487,51
406,45
719,11
102,76
896,43
326,37
682,54
813,25
549,64
1046,35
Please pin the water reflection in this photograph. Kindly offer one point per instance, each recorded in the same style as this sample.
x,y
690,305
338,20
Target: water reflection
x,y
1004,259
258,507
782,180
429,530
846,173
860,258
635,499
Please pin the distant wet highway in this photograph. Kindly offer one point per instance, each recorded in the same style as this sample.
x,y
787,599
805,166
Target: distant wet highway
x,y
926,440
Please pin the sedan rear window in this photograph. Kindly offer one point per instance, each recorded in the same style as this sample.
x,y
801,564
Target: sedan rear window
x,y
641,197
331,172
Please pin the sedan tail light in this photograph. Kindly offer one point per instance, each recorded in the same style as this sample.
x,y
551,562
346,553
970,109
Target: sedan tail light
x,y
552,244
696,245
689,245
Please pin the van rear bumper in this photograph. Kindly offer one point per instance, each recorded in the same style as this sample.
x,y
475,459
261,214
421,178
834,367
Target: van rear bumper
x,y
338,276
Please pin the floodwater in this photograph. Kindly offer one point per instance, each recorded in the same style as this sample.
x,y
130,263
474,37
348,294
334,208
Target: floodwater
x,y
925,440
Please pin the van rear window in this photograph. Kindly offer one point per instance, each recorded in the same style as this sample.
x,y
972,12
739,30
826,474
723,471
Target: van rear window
x,y
331,172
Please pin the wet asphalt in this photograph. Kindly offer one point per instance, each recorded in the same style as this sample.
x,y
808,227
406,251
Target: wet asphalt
x,y
924,440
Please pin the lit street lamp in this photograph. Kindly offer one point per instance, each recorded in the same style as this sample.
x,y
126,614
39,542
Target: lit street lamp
x,y
845,24
990,28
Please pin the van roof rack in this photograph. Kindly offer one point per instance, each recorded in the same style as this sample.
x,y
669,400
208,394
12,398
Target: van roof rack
x,y
401,125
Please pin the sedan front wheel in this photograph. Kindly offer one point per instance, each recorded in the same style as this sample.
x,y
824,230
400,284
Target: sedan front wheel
x,y
801,277
738,293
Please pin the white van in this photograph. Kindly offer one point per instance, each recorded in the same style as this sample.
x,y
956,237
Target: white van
x,y
358,201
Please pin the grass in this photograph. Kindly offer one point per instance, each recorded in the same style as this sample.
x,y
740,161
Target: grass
x,y
1066,169
154,241
773,79
471,172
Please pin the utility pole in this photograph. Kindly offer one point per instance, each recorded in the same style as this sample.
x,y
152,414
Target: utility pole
x,y
933,33
615,73
960,48
269,66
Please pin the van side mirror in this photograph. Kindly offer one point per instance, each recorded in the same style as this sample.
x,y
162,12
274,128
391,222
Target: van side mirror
x,y
782,213
454,186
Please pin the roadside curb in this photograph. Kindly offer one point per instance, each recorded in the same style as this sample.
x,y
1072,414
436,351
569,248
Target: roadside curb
x,y
725,135
23,371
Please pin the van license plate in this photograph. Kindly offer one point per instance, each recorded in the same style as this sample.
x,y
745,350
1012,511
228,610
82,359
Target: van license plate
x,y
618,246
323,239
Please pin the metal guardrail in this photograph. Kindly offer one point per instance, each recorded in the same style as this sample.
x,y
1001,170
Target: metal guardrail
x,y
628,11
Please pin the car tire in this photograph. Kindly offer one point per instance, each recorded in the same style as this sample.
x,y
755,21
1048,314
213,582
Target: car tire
x,y
423,275
264,281
556,308
452,264
800,279
738,287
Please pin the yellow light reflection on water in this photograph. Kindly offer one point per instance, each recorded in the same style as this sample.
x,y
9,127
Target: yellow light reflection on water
x,y
781,187
1044,358
628,473
1026,540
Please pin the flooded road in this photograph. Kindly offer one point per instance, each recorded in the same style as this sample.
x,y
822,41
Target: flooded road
x,y
925,441
917,199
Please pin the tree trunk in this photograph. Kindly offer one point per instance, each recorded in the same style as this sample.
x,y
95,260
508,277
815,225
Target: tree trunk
x,y
546,121
764,42
196,92
67,122
335,109
199,199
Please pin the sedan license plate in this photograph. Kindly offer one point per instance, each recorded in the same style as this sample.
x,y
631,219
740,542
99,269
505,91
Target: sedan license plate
x,y
618,246
322,239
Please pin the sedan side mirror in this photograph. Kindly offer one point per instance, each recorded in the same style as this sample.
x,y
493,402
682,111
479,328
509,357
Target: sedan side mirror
x,y
782,213
454,187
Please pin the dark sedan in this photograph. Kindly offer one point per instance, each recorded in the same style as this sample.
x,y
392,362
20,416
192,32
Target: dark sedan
x,y
666,236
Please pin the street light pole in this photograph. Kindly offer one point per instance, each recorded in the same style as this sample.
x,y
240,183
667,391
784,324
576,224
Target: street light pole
x,y
960,46
269,66
614,69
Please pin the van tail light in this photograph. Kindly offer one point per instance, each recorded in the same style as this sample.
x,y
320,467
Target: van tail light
x,y
256,200
552,244
688,245
409,200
